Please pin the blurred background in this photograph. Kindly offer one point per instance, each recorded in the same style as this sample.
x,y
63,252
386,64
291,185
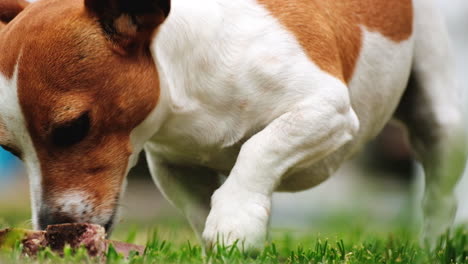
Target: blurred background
x,y
380,187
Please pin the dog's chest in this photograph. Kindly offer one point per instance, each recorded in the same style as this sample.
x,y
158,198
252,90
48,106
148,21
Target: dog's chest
x,y
185,149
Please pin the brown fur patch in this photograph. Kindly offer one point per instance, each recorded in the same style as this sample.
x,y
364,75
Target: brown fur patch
x,y
67,68
330,33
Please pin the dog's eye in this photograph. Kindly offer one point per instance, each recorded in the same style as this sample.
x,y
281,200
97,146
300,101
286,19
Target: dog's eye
x,y
12,151
72,132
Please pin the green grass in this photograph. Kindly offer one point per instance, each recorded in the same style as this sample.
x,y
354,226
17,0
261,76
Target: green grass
x,y
349,236
345,241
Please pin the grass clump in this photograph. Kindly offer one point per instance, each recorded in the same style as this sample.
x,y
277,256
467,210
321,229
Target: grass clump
x,y
305,249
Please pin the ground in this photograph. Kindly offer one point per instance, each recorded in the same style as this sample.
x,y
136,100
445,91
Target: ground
x,y
359,216
342,239
354,236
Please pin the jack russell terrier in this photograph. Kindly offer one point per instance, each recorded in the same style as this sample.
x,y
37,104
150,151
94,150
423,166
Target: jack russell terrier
x,y
273,94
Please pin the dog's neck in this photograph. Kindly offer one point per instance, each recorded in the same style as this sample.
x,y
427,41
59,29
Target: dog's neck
x,y
201,45
185,49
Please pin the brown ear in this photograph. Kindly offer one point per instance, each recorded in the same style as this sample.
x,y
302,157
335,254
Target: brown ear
x,y
10,8
129,24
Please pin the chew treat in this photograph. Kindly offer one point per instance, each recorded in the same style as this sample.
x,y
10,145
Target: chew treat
x,y
89,236
92,237
125,248
32,241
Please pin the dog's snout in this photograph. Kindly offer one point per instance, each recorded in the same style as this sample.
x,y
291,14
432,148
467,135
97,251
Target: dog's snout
x,y
47,217
71,207
75,207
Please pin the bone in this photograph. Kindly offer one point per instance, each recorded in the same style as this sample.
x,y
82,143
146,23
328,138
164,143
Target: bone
x,y
91,237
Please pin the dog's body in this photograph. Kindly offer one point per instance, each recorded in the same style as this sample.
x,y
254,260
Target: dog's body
x,y
243,82
273,94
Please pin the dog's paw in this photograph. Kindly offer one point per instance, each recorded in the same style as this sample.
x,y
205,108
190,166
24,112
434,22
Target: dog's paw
x,y
237,216
430,237
433,231
438,220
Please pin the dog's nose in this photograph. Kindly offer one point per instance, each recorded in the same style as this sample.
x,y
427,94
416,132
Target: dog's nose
x,y
47,218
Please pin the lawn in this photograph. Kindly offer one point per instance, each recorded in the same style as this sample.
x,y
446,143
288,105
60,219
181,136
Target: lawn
x,y
348,235
336,239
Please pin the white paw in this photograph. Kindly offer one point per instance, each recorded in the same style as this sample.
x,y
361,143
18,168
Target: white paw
x,y
439,215
237,215
432,233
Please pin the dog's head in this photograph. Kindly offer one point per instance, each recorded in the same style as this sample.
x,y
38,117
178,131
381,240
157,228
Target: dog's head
x,y
77,80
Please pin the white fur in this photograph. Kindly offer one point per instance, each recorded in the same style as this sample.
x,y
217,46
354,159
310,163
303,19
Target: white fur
x,y
73,202
380,78
15,124
228,79
79,205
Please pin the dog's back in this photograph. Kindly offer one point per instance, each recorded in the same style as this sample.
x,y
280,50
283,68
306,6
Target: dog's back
x,y
332,32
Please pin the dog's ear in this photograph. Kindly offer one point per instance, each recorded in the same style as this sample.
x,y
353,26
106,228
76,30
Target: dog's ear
x,y
129,24
9,9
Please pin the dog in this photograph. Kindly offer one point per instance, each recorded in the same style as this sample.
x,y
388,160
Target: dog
x,y
274,95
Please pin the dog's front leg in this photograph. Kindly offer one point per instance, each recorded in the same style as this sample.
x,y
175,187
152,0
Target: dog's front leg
x,y
314,129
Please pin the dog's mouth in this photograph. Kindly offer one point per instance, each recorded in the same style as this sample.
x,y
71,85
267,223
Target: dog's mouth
x,y
109,226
